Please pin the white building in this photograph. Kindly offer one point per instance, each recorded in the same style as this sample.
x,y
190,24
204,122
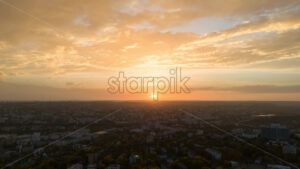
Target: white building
x,y
133,159
214,153
76,166
289,149
199,132
234,164
36,137
274,166
92,166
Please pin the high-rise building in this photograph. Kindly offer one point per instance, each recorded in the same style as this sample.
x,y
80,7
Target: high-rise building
x,y
275,133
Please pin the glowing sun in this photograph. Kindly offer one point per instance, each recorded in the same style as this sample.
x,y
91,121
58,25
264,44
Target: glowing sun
x,y
154,96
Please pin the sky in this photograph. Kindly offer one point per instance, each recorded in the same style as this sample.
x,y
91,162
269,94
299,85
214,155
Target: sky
x,y
68,49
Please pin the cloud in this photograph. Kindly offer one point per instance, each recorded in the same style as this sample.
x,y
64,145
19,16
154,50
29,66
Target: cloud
x,y
10,91
256,89
73,85
2,76
285,63
70,83
263,40
72,36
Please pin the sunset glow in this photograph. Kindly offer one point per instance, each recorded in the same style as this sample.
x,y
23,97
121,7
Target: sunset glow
x,y
154,97
66,50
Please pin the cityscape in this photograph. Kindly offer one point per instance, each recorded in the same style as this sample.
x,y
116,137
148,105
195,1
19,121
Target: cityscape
x,y
120,134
